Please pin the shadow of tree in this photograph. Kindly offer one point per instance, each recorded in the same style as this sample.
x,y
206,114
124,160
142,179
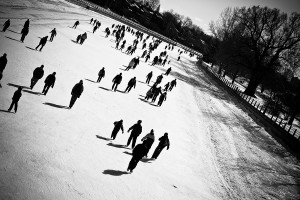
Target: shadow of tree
x,y
103,138
55,105
114,172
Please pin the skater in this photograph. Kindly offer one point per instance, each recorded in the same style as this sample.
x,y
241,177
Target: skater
x,y
53,34
144,53
162,98
173,83
107,33
136,131
95,28
147,57
49,82
158,79
178,58
101,74
131,64
136,62
168,71
6,25
149,93
118,125
26,24
76,93
15,99
116,81
131,83
148,140
156,92
155,60
163,142
137,154
38,73
76,24
3,62
42,43
83,38
166,87
91,21
123,45
149,76
24,33
78,38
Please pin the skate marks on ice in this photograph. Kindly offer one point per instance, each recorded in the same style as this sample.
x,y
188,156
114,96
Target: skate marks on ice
x,y
55,105
114,172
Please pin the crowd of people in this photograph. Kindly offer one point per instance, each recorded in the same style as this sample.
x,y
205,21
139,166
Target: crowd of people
x,y
118,32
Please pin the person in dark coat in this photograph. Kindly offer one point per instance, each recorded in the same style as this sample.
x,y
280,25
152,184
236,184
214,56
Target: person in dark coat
x,y
131,64
147,57
83,38
137,154
168,71
38,73
163,142
107,33
53,34
24,33
173,83
136,62
178,58
118,125
76,93
49,82
75,24
101,75
158,79
15,99
95,28
167,86
148,140
149,76
78,38
156,92
6,25
131,83
155,60
136,131
42,43
3,62
162,98
91,20
116,81
26,24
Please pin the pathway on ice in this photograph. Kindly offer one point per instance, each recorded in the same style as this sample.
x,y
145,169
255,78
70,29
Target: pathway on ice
x,y
46,152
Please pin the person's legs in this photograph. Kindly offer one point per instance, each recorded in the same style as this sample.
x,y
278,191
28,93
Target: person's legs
x,y
33,82
46,90
38,46
73,99
133,141
16,106
11,105
129,140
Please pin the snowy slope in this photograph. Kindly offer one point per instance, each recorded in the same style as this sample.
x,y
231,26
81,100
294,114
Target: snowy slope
x,y
48,152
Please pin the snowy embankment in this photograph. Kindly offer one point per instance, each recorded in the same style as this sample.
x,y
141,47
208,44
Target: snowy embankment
x,y
48,152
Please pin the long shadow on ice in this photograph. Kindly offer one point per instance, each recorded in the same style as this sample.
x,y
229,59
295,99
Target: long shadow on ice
x,y
5,111
55,105
102,138
13,31
116,145
13,39
31,92
90,80
114,172
104,88
15,85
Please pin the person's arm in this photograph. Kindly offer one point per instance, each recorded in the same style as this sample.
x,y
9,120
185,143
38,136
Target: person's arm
x,y
53,83
130,128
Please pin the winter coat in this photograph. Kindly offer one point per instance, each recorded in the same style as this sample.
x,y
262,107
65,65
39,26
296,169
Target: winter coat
x,y
131,63
17,96
164,141
3,62
50,80
25,31
149,75
136,130
84,36
44,40
117,79
132,82
148,139
118,126
53,32
101,73
38,73
139,151
77,90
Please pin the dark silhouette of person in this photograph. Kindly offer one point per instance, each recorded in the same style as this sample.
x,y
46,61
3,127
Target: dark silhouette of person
x,y
118,125
137,154
101,75
155,60
149,93
136,62
6,25
42,43
38,73
3,62
178,58
158,79
131,83
163,142
131,64
53,34
107,33
156,92
136,130
24,33
167,86
173,83
78,38
15,99
76,93
148,140
116,81
49,82
149,76
162,98
76,24
26,24
83,38
168,71
147,57
91,20
95,28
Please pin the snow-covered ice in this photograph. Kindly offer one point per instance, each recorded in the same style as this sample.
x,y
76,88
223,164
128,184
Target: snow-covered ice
x,y
217,150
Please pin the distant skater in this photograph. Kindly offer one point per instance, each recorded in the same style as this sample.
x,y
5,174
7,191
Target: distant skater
x,y
15,100
42,43
76,93
162,98
76,24
3,62
26,24
136,130
49,82
163,142
6,25
131,83
116,81
118,125
37,74
168,71
101,75
24,33
173,83
149,76
53,34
